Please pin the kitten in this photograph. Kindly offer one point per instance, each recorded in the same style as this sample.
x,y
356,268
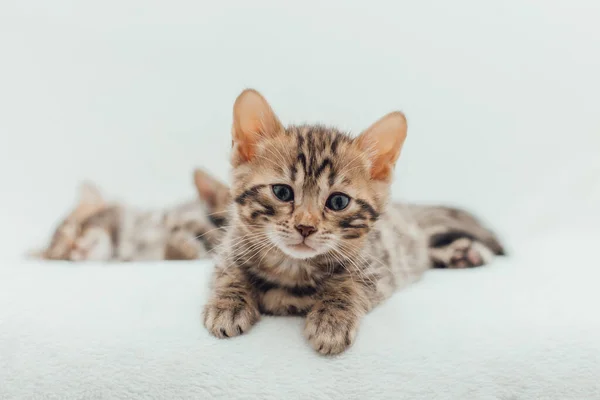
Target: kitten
x,y
100,231
456,239
311,232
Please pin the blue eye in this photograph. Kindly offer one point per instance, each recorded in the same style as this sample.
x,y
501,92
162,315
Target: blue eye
x,y
337,201
283,192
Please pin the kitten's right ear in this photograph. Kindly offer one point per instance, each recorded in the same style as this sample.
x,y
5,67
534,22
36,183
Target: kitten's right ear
x,y
89,194
383,142
253,120
210,189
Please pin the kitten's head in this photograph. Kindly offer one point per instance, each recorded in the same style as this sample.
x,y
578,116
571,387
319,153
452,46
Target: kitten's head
x,y
310,190
90,201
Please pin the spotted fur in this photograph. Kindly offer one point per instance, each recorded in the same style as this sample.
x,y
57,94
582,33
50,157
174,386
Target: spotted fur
x,y
355,259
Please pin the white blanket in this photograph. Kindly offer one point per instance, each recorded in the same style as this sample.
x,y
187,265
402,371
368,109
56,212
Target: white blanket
x,y
526,327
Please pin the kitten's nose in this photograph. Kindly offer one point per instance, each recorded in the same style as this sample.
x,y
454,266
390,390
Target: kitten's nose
x,y
306,230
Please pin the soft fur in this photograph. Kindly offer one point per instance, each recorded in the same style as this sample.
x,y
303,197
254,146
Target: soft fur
x,y
302,257
97,230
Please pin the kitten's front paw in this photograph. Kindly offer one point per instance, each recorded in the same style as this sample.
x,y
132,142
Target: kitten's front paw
x,y
331,330
227,318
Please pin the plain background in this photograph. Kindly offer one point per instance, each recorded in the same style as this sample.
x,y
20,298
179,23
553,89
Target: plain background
x,y
502,98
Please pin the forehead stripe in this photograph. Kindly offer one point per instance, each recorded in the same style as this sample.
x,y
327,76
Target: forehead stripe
x,y
302,160
326,163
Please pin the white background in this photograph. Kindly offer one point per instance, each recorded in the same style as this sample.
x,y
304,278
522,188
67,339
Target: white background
x,y
502,98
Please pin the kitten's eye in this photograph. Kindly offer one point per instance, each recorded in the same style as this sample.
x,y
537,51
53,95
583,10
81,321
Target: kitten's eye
x,y
283,192
337,201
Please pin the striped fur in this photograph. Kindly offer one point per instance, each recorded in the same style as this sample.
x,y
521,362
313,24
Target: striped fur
x,y
353,259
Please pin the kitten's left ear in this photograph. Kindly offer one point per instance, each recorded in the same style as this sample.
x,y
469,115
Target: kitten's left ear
x,y
383,142
90,201
253,120
210,189
89,194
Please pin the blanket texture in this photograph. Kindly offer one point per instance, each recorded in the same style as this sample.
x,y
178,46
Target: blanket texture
x,y
525,327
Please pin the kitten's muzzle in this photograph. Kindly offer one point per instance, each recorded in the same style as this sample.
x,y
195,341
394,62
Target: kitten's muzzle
x,y
305,230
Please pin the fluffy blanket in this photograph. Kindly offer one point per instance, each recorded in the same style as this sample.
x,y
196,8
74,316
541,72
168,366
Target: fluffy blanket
x,y
525,327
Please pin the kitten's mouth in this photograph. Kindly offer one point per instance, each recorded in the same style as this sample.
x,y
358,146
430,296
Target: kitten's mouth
x,y
301,247
299,250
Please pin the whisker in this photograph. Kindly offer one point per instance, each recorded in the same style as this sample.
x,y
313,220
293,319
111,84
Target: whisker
x,y
218,212
349,258
237,242
256,248
371,256
340,261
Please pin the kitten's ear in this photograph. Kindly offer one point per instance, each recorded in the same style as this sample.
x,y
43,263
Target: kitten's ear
x,y
383,142
89,194
210,189
90,201
253,119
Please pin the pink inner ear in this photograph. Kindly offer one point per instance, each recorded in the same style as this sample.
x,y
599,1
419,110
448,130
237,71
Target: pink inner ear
x,y
381,171
253,118
245,147
383,141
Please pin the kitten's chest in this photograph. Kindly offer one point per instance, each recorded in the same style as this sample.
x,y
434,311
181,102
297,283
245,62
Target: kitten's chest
x,y
279,301
288,287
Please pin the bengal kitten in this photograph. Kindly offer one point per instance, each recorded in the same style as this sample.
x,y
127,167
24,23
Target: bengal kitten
x,y
97,230
311,232
456,239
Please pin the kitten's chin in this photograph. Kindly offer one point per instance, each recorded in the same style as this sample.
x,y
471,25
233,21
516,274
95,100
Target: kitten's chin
x,y
299,251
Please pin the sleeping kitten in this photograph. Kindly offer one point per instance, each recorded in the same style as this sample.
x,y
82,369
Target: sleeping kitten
x,y
311,231
99,231
63,239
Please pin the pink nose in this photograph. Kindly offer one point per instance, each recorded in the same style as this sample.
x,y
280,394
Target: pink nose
x,y
306,230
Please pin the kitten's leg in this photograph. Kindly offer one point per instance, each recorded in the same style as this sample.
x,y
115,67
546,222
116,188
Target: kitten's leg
x,y
448,251
232,308
445,224
95,244
333,321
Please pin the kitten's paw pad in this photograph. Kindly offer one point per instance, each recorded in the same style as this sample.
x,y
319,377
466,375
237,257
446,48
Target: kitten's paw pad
x,y
461,253
330,331
227,318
